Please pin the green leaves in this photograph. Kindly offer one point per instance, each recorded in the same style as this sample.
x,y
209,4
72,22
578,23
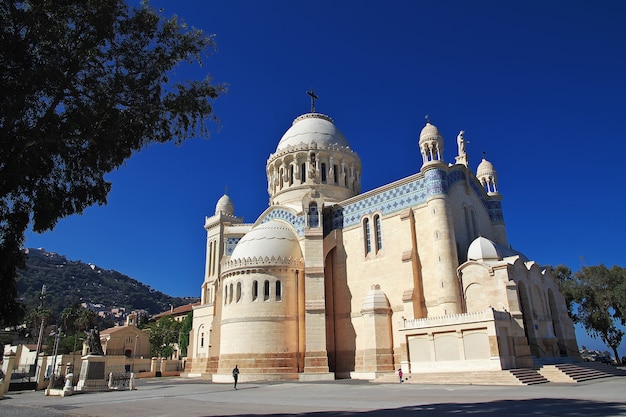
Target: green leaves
x,y
85,83
596,297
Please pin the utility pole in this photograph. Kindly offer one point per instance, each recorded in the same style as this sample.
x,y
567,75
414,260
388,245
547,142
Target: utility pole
x,y
39,340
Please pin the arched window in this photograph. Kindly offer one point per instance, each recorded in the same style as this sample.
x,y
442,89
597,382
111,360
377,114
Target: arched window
x,y
230,294
303,173
291,174
281,178
314,219
225,294
278,291
266,290
210,259
238,291
255,290
468,226
202,340
335,174
379,235
323,172
474,226
368,238
215,255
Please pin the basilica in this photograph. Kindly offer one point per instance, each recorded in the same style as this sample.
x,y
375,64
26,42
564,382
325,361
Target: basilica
x,y
331,281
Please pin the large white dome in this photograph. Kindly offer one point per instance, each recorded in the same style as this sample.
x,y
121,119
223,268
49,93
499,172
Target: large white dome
x,y
313,127
271,239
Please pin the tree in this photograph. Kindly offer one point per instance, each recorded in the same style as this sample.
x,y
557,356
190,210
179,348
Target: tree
x,y
595,299
164,334
85,84
185,328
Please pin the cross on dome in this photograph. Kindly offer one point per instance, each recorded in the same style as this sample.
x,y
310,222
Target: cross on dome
x,y
313,98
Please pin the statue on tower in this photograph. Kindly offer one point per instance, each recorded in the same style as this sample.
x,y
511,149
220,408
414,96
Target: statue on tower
x,y
461,142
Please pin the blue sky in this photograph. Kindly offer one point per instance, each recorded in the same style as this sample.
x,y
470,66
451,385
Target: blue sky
x,y
540,86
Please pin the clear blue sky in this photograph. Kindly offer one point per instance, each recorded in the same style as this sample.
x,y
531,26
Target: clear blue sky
x,y
540,86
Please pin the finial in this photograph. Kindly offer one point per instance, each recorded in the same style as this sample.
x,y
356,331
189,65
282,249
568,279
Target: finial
x,y
427,119
313,98
226,190
484,155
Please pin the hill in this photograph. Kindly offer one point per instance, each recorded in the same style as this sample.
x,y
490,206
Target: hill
x,y
68,282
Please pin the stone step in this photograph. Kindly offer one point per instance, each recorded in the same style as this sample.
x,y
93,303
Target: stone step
x,y
564,373
506,377
585,371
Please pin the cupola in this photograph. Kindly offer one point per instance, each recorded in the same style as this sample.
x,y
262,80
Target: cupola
x,y
225,206
487,176
313,154
431,144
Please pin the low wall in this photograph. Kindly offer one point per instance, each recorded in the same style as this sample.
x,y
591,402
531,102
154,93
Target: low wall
x,y
71,363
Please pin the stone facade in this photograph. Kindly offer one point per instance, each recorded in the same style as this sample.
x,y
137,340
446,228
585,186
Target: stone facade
x,y
330,282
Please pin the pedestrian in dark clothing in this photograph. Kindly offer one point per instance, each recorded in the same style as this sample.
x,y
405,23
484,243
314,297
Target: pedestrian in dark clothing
x,y
400,374
235,375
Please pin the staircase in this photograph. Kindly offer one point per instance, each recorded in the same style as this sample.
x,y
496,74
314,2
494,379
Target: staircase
x,y
507,377
561,373
578,372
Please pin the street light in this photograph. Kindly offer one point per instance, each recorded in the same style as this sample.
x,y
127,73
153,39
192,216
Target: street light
x,y
54,361
39,340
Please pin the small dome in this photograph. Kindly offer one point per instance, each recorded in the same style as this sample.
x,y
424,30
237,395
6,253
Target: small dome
x,y
483,249
485,168
430,132
313,127
375,301
225,205
271,239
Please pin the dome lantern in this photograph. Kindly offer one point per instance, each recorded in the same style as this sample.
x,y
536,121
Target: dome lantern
x,y
487,176
431,144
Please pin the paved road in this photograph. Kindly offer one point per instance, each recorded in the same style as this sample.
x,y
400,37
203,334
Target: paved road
x,y
183,397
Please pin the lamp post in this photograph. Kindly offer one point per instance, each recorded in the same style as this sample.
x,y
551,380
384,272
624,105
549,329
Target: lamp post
x,y
54,360
39,340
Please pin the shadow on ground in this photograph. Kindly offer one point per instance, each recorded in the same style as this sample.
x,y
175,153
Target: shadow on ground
x,y
534,407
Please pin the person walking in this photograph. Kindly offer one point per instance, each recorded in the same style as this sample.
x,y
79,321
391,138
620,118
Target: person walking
x,y
400,374
235,375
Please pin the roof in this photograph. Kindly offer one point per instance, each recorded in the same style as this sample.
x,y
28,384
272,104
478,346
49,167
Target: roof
x,y
272,239
312,128
178,311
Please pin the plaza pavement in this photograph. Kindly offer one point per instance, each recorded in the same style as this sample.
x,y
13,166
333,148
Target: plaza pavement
x,y
347,398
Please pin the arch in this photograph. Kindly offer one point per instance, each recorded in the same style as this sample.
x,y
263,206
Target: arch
x,y
200,338
210,259
468,225
303,173
266,290
255,290
279,292
230,293
367,236
313,215
527,319
238,296
556,323
323,169
475,232
291,174
378,233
